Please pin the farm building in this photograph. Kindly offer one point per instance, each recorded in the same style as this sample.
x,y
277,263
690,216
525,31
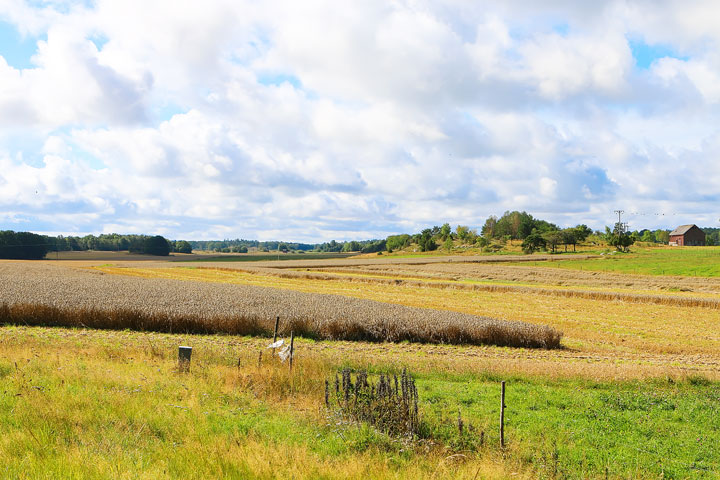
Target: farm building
x,y
687,235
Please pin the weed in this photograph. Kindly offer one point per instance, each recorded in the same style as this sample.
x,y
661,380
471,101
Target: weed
x,y
390,405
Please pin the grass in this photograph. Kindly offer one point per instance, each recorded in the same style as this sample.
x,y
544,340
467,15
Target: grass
x,y
683,261
79,404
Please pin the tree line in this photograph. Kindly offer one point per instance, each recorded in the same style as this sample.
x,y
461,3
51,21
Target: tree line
x,y
32,246
239,245
535,234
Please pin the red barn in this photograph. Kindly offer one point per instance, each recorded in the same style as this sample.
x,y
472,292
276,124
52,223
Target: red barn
x,y
687,235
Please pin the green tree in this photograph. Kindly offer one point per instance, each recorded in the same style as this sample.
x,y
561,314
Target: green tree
x,y
465,234
397,242
352,246
621,241
552,239
445,232
569,237
23,245
156,245
425,241
488,229
373,246
582,232
533,242
648,236
662,236
712,238
182,246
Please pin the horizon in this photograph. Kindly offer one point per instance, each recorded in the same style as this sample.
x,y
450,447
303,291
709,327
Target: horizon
x,y
339,240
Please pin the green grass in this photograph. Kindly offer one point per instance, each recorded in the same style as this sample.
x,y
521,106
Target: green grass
x,y
683,261
580,429
270,257
101,405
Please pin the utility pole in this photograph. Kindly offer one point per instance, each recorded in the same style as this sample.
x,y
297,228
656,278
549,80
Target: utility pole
x,y
620,227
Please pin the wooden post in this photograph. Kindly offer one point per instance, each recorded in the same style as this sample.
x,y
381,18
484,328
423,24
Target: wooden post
x,y
184,354
277,323
502,415
292,348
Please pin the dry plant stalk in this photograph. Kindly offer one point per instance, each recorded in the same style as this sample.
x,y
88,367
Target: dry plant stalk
x,y
390,405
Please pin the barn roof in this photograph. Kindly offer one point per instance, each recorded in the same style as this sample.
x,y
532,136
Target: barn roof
x,y
683,229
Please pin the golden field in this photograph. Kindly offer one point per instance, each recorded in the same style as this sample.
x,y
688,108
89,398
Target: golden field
x,y
614,325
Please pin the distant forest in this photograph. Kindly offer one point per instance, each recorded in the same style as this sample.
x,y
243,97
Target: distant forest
x,y
535,234
26,245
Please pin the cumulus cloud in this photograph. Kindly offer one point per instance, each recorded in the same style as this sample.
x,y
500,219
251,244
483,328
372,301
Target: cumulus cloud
x,y
310,122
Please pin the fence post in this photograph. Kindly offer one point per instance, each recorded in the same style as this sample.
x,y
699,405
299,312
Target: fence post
x,y
292,348
277,323
184,355
502,415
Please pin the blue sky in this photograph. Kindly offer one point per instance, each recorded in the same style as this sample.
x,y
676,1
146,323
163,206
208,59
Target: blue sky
x,y
16,49
310,122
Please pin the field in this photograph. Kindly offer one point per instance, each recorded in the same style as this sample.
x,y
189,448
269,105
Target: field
x,y
685,261
269,257
632,392
124,256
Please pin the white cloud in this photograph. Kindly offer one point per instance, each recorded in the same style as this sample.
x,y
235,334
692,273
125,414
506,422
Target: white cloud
x,y
310,121
565,66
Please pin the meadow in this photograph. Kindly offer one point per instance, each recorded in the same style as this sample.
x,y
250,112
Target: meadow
x,y
632,392
685,261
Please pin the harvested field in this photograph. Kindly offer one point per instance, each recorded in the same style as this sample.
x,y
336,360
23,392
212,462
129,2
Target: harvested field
x,y
592,322
41,294
415,260
537,275
349,276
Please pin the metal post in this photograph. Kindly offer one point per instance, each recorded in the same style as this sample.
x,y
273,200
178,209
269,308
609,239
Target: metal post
x,y
184,354
502,415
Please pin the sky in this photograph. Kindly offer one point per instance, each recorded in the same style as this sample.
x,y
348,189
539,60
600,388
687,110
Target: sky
x,y
317,120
